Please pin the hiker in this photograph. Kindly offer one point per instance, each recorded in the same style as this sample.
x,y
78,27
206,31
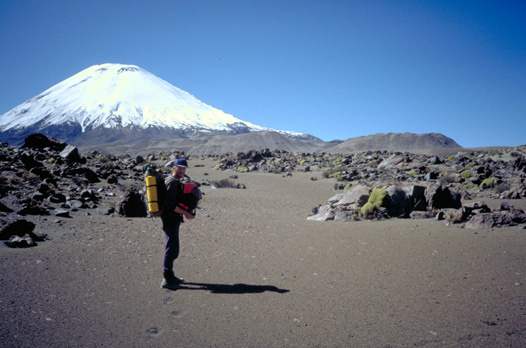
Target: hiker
x,y
172,218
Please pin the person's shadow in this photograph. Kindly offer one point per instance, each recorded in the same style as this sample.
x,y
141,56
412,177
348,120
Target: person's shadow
x,y
231,289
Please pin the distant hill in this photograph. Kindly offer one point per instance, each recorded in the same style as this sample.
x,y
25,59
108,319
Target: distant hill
x,y
217,144
394,142
220,144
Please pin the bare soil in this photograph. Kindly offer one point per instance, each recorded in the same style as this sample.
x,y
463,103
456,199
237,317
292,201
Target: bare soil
x,y
260,275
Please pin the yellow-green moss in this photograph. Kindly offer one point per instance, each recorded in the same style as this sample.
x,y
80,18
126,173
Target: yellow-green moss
x,y
367,209
466,174
377,197
488,183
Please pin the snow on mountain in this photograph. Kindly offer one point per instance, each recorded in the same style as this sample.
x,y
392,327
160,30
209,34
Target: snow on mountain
x,y
116,96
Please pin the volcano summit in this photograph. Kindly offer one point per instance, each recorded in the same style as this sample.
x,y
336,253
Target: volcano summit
x,y
111,102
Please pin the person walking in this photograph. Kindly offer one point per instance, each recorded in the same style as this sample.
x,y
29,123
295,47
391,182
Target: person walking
x,y
171,219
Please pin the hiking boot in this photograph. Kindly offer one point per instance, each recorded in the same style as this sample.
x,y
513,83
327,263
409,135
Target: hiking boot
x,y
170,281
170,286
178,280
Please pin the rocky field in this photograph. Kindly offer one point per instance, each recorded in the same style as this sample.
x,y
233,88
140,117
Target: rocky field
x,y
372,249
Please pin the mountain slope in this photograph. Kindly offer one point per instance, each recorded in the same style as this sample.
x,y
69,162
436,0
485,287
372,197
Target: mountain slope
x,y
394,142
110,101
430,143
218,144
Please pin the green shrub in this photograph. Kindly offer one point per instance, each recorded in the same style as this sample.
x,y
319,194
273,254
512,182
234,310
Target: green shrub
x,y
219,166
331,172
376,200
411,172
451,158
377,197
348,187
466,174
242,169
367,209
488,183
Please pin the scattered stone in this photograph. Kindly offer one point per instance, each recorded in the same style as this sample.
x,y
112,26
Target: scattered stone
x,y
71,153
5,209
112,179
75,204
106,210
415,215
19,234
20,242
33,210
57,198
62,213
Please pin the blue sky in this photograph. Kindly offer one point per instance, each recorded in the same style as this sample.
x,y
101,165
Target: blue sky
x,y
333,69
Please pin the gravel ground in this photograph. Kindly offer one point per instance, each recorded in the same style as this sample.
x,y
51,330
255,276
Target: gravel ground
x,y
260,275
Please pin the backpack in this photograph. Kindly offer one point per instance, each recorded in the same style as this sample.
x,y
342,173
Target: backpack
x,y
189,198
155,189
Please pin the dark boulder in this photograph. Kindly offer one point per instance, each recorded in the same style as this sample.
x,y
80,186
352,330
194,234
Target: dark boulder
x,y
29,161
398,201
31,209
41,141
520,164
439,197
42,172
5,209
20,242
112,179
20,228
17,228
87,173
132,205
417,199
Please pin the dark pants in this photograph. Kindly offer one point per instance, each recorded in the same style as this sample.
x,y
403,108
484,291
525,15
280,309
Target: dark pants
x,y
171,251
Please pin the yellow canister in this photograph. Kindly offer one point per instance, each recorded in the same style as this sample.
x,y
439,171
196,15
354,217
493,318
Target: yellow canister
x,y
151,194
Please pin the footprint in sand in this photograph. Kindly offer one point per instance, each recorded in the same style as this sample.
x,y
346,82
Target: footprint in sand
x,y
175,314
154,332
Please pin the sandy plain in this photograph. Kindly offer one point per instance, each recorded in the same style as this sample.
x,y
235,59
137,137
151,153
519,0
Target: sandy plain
x,y
260,275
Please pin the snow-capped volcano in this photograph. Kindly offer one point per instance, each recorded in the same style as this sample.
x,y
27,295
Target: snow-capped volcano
x,y
115,99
